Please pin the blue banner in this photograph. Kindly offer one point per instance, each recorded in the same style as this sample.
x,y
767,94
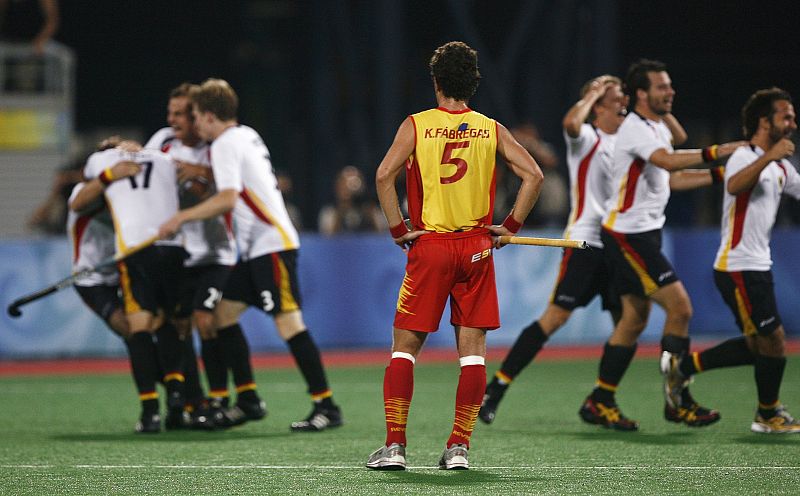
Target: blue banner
x,y
349,286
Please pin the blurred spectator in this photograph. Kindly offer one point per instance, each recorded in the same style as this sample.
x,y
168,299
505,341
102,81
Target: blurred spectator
x,y
551,208
27,21
353,209
286,187
50,216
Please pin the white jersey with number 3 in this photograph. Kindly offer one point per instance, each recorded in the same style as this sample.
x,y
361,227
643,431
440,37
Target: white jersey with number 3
x,y
92,241
139,204
747,218
208,241
641,187
589,157
241,162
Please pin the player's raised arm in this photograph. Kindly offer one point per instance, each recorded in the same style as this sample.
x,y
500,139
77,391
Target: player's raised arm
x,y
578,113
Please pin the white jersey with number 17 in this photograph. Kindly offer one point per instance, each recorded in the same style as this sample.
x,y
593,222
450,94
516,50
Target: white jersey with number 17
x,y
139,204
241,162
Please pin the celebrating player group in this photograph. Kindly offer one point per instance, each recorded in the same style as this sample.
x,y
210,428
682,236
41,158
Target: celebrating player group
x,y
203,190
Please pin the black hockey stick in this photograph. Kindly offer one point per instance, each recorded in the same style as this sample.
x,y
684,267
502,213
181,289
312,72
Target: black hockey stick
x,y
14,307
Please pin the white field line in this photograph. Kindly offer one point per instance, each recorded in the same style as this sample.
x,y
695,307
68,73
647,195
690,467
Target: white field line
x,y
361,467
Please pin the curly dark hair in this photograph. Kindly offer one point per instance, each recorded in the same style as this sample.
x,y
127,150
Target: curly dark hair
x,y
761,104
637,78
454,67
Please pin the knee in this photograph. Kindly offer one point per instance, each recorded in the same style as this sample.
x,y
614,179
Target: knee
x,y
204,322
772,344
553,318
681,311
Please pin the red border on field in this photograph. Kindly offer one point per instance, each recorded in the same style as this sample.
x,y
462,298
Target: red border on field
x,y
341,358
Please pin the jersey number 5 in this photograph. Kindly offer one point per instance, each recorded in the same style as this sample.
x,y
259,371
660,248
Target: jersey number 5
x,y
148,168
447,158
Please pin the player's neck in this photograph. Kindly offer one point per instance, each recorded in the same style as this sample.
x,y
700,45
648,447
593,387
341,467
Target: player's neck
x,y
191,141
762,141
646,112
606,127
450,103
222,126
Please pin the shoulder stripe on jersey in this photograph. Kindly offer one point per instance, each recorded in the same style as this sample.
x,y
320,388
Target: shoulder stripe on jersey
x,y
634,171
167,143
583,171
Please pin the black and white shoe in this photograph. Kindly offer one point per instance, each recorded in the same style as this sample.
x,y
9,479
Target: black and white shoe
x,y
149,423
319,419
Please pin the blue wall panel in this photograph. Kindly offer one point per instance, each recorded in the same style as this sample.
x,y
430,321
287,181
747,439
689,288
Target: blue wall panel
x,y
349,286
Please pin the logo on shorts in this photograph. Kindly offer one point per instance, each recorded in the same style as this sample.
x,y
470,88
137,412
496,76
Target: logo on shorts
x,y
766,322
481,255
565,298
664,275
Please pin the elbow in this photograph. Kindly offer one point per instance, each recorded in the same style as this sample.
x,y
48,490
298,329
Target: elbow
x,y
383,179
732,190
572,128
535,179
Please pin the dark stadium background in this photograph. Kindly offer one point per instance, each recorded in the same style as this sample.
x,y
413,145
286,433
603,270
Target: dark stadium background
x,y
327,82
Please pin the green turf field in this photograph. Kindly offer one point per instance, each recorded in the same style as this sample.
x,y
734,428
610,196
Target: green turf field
x,y
73,435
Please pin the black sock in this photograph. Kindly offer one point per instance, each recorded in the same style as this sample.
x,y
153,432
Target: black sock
x,y
306,355
194,391
613,364
236,354
216,371
527,345
144,367
675,344
731,353
170,352
769,374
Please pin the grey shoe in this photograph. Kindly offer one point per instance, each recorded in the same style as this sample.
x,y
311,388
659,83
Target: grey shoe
x,y
674,381
454,458
392,457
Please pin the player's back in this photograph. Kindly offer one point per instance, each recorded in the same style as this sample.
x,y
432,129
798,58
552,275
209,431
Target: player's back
x,y
139,204
451,174
241,161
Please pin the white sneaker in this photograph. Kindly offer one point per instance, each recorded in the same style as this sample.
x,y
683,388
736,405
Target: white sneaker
x,y
392,457
454,458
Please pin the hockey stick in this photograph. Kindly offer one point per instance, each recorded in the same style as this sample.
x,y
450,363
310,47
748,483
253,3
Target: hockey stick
x,y
558,243
14,307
